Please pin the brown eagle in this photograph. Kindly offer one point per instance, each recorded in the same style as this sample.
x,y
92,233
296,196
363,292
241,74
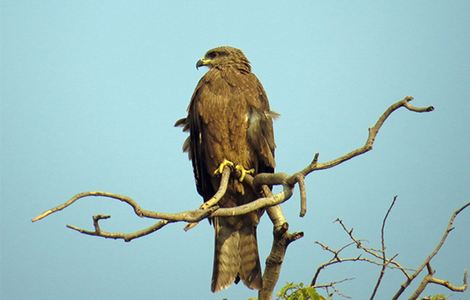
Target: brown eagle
x,y
230,123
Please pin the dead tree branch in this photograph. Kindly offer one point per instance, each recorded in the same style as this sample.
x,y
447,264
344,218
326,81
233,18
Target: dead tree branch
x,y
259,182
334,290
371,137
427,261
282,239
429,278
371,251
267,201
384,259
379,258
127,237
338,259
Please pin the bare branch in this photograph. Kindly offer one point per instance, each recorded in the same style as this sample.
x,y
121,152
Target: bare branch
x,y
274,212
216,198
282,239
371,138
260,184
276,178
384,258
429,278
332,285
390,262
221,191
187,216
127,237
303,195
375,253
338,259
272,201
450,286
448,229
78,196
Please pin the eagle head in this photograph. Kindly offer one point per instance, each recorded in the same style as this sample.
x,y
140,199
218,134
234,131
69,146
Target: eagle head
x,y
224,56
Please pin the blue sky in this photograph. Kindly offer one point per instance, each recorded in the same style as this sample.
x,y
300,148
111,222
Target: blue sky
x,y
90,91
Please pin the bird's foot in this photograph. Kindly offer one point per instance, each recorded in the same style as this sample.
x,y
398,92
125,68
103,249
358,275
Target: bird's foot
x,y
220,169
243,172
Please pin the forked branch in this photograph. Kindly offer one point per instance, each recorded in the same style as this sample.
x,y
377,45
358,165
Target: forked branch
x,y
259,183
378,257
427,262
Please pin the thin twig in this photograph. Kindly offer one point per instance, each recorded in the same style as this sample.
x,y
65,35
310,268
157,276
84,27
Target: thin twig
x,y
384,257
271,202
332,285
375,253
371,137
429,278
448,229
325,285
127,237
450,286
337,259
283,179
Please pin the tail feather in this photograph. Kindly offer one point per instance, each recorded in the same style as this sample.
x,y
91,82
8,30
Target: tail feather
x,y
226,258
250,269
236,256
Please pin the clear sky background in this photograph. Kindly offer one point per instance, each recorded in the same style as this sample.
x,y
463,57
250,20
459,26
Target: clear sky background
x,y
90,91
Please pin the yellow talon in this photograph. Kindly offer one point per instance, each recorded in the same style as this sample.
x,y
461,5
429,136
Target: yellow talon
x,y
243,172
220,169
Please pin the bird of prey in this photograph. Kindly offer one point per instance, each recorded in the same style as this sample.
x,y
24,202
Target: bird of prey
x,y
230,124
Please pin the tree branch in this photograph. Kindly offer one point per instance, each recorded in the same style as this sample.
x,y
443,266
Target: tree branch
x,y
282,239
221,191
332,285
371,137
267,201
287,181
427,261
391,263
338,259
429,278
373,252
127,237
384,259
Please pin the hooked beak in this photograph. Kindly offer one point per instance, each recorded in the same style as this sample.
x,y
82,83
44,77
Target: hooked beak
x,y
203,62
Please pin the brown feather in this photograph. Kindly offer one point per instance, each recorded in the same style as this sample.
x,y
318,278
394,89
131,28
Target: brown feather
x,y
229,118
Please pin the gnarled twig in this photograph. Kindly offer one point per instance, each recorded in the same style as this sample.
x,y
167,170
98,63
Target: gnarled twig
x,y
260,183
427,261
287,181
384,257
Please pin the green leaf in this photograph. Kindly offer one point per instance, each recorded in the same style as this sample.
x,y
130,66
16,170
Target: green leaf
x,y
312,293
297,291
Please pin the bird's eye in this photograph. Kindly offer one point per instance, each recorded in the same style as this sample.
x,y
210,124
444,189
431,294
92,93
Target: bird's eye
x,y
211,55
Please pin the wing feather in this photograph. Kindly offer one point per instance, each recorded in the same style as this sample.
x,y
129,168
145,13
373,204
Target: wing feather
x,y
260,131
194,144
